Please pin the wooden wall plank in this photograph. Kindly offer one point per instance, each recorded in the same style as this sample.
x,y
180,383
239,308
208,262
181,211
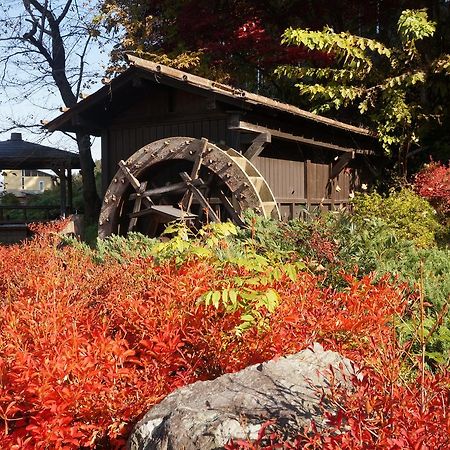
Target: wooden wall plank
x,y
295,183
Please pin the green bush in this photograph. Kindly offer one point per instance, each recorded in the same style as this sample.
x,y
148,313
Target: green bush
x,y
8,199
409,216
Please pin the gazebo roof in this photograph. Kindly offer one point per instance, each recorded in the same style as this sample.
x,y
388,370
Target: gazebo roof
x,y
15,153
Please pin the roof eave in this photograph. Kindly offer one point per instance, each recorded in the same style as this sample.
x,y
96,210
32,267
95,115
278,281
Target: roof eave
x,y
66,120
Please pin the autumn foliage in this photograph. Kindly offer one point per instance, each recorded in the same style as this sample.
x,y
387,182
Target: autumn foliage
x,y
433,183
236,41
87,347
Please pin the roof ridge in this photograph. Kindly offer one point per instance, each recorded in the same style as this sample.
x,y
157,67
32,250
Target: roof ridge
x,y
234,92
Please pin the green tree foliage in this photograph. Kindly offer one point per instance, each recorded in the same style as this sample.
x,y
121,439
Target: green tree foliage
x,y
392,85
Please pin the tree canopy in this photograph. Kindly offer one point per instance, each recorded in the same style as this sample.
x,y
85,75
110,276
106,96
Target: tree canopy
x,y
344,54
399,88
239,40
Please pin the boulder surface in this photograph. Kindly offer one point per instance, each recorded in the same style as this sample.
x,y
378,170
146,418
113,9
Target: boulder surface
x,y
206,415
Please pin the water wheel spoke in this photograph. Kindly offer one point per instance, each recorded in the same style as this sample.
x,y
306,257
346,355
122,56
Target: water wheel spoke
x,y
137,205
206,192
169,189
134,182
164,210
200,197
186,201
230,209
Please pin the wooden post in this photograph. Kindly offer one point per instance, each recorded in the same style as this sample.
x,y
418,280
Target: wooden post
x,y
291,211
63,192
308,183
69,190
332,184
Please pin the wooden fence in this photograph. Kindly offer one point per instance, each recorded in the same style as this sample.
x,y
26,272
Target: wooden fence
x,y
10,214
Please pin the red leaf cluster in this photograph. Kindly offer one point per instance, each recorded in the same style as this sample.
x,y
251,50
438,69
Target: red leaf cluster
x,y
243,32
433,183
87,348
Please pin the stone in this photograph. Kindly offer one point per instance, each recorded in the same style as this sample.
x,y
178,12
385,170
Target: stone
x,y
207,414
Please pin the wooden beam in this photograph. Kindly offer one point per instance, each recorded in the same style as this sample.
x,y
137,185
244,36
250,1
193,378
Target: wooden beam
x,y
199,196
340,164
171,188
257,145
63,191
137,205
309,182
199,159
142,212
246,126
135,183
69,190
80,122
246,138
167,211
231,211
186,201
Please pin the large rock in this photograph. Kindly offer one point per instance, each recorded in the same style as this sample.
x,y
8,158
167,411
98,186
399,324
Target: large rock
x,y
207,414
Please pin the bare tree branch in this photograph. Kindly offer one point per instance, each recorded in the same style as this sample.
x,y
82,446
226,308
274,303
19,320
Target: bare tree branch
x,y
69,136
33,128
42,50
65,11
81,71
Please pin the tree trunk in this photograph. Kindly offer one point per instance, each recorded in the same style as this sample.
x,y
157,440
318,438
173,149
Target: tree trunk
x,y
92,202
47,35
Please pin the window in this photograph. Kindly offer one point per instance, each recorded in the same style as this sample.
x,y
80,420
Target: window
x,y
41,186
29,173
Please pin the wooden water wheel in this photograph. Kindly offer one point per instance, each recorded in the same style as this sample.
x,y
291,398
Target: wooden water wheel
x,y
181,178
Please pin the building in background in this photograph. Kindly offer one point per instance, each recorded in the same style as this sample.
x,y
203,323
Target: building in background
x,y
27,182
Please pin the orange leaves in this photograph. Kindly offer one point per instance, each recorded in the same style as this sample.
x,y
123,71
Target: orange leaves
x,y
86,348
74,367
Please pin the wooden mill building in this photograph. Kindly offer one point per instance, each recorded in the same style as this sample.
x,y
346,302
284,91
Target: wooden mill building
x,y
306,159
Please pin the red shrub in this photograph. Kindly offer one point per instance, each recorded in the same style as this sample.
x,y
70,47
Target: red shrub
x,y
433,183
85,349
46,228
